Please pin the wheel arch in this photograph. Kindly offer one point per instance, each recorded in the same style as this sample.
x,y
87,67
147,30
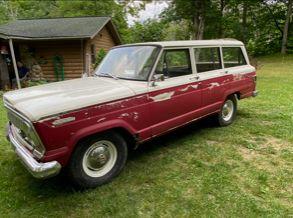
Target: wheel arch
x,y
118,126
237,95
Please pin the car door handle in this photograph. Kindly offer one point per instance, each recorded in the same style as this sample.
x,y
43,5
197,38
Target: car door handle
x,y
226,72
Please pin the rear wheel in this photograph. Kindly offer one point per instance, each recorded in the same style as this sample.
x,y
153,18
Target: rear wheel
x,y
98,160
228,111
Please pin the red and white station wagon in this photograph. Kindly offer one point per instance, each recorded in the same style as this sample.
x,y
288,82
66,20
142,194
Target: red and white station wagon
x,y
139,91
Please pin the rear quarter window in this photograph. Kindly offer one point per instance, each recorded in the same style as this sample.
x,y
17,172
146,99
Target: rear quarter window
x,y
207,59
233,57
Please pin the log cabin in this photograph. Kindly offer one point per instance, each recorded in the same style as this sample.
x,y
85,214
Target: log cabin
x,y
54,44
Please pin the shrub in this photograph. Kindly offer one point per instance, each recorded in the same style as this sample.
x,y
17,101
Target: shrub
x,y
100,56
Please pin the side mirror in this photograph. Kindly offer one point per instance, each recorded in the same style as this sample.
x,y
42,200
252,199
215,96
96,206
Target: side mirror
x,y
158,78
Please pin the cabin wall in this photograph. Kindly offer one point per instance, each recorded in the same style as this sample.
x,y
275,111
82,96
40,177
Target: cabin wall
x,y
44,52
102,40
76,54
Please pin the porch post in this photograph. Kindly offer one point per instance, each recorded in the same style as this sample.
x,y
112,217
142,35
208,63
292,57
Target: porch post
x,y
14,63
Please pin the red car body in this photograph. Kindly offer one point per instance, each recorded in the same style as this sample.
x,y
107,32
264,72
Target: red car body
x,y
154,108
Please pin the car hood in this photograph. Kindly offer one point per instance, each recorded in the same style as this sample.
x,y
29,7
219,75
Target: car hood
x,y
46,100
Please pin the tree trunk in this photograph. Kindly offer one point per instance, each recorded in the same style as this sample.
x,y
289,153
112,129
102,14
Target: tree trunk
x,y
195,26
244,22
220,31
198,21
286,28
200,30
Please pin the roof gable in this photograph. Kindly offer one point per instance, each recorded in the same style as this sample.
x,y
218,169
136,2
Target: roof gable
x,y
56,28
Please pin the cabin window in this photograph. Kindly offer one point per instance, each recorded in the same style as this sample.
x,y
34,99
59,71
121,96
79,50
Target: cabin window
x,y
207,59
93,53
174,63
233,57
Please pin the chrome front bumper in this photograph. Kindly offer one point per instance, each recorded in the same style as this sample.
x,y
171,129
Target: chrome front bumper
x,y
38,170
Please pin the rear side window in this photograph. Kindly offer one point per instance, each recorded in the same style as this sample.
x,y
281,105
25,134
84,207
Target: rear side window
x,y
207,59
233,57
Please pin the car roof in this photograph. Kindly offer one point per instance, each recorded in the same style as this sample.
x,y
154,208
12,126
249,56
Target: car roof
x,y
185,43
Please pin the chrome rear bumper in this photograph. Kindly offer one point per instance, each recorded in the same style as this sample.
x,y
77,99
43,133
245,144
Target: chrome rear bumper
x,y
254,93
38,170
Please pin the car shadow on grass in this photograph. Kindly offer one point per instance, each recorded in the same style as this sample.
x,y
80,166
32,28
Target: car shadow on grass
x,y
192,129
61,185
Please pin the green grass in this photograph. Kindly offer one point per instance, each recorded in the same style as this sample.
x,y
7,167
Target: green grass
x,y
242,170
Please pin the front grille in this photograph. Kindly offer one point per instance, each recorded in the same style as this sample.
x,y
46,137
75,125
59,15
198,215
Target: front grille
x,y
18,122
25,133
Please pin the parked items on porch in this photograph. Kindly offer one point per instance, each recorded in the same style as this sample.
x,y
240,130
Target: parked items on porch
x,y
4,74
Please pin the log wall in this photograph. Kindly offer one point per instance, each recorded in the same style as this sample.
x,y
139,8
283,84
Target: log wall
x,y
102,40
76,53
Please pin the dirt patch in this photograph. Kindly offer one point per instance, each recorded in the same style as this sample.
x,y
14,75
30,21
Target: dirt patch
x,y
210,142
274,143
263,143
264,153
248,154
267,123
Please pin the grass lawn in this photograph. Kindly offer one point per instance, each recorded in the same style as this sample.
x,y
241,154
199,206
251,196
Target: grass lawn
x,y
245,169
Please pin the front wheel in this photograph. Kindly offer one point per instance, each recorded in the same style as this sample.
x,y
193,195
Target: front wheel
x,y
228,111
98,160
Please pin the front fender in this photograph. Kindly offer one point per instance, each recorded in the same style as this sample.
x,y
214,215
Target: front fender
x,y
63,154
99,127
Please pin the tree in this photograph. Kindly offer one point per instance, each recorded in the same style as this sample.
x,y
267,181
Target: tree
x,y
22,9
150,30
194,12
222,7
92,8
286,28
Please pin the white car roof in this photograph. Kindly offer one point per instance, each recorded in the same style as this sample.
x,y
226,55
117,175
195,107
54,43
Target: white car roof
x,y
213,42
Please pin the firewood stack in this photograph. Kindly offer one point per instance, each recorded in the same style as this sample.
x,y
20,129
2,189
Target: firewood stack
x,y
36,73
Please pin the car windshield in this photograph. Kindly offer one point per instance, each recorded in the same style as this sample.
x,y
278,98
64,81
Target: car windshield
x,y
131,62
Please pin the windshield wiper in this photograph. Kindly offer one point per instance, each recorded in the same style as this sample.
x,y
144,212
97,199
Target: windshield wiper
x,y
109,74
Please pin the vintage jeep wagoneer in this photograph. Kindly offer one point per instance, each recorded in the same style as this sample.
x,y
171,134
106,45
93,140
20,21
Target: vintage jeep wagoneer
x,y
139,91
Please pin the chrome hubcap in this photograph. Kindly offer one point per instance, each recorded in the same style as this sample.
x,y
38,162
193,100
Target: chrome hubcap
x,y
100,158
227,110
97,157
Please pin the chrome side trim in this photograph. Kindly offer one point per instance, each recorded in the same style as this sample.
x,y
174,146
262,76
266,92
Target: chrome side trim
x,y
38,170
63,120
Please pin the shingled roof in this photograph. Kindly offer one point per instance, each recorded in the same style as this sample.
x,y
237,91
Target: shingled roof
x,y
57,28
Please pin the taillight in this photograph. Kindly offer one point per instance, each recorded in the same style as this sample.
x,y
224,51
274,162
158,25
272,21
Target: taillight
x,y
254,78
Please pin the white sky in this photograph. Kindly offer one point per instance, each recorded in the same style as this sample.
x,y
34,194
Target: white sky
x,y
152,10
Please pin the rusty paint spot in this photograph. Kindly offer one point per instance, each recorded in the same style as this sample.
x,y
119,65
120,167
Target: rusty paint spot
x,y
212,85
101,119
124,115
162,97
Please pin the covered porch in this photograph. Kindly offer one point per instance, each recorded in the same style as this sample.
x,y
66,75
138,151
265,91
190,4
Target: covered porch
x,y
42,60
52,49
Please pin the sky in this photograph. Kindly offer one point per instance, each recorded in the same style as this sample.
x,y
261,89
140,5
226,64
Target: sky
x,y
152,10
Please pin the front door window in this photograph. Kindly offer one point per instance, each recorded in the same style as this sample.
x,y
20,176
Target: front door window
x,y
174,63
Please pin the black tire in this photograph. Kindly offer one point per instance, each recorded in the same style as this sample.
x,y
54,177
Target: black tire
x,y
227,120
77,170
